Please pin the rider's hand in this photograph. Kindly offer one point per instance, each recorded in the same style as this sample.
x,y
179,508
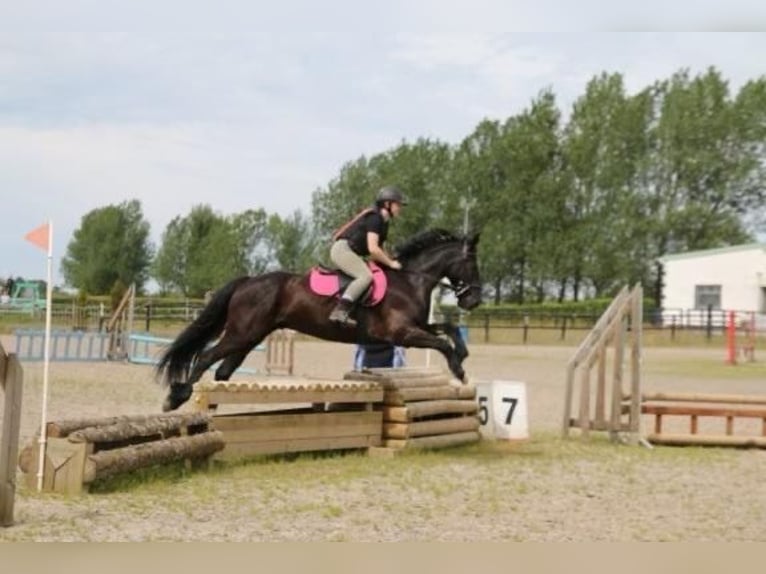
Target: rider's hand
x,y
395,265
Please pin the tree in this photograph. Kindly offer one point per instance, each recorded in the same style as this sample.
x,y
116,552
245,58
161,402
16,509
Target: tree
x,y
111,244
421,170
292,241
707,172
202,251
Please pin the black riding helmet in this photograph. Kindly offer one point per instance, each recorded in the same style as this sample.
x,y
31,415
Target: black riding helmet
x,y
390,193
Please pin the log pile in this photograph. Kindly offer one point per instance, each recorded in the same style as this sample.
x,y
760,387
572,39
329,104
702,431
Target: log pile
x,y
80,451
423,407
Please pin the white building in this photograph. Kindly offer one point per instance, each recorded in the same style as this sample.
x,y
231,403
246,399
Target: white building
x,y
729,278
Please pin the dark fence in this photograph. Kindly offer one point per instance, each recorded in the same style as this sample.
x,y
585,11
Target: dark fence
x,y
525,327
483,325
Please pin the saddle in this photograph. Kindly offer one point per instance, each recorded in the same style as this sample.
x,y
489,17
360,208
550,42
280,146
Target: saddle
x,y
332,282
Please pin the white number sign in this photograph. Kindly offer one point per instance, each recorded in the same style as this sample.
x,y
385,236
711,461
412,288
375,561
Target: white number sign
x,y
502,409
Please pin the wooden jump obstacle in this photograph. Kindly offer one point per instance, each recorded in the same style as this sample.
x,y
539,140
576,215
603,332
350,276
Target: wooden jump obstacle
x,y
79,451
291,414
694,407
423,408
11,384
620,325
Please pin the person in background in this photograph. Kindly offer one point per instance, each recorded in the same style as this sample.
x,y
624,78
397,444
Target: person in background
x,y
378,355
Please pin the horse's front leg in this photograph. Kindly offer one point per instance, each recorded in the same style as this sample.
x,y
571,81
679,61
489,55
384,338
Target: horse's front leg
x,y
423,339
231,348
454,335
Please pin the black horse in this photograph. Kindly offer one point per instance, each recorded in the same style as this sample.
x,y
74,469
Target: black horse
x,y
247,309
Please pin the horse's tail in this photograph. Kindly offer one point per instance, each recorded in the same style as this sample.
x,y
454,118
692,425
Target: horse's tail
x,y
176,362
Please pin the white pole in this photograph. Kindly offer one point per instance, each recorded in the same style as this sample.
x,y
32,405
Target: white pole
x,y
46,359
431,319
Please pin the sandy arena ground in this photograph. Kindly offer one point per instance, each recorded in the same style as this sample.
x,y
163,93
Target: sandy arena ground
x,y
584,492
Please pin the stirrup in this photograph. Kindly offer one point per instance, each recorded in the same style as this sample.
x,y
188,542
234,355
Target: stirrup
x,y
342,314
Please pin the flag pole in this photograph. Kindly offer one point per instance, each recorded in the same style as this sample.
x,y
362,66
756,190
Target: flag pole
x,y
46,360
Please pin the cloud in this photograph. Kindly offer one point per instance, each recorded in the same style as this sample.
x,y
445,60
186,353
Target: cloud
x,y
243,104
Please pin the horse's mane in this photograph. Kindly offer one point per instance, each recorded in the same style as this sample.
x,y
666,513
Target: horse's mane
x,y
422,241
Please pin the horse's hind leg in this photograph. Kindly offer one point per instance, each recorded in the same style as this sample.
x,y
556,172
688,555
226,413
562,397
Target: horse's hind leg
x,y
229,365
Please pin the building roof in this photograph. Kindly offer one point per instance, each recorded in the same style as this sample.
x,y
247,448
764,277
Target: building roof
x,y
716,251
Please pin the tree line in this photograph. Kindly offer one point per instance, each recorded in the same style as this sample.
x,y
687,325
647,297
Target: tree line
x,y
569,207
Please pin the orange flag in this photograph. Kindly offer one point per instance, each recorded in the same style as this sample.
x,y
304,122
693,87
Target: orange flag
x,y
39,236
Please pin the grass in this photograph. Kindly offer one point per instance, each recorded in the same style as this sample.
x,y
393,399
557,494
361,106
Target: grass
x,y
714,367
493,488
273,475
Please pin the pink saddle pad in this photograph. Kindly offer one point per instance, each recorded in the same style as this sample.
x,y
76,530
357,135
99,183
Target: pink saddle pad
x,y
327,282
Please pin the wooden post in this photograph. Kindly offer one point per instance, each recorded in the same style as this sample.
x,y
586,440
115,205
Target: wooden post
x,y
11,378
731,339
637,328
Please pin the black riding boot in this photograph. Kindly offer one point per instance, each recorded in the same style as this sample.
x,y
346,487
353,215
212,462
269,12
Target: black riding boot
x,y
341,313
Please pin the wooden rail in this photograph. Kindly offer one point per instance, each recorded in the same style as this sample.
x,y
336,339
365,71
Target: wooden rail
x,y
695,407
610,332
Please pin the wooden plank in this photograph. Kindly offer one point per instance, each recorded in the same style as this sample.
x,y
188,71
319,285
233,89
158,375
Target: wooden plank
x,y
595,333
703,398
707,440
428,408
65,463
234,451
265,427
399,372
637,328
703,410
279,396
403,397
397,381
440,441
429,428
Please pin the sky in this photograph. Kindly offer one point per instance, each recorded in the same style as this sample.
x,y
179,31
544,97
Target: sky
x,y
248,104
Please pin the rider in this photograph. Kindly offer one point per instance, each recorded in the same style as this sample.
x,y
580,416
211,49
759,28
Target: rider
x,y
364,236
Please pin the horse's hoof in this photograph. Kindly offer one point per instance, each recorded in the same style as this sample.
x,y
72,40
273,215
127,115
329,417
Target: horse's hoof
x,y
167,405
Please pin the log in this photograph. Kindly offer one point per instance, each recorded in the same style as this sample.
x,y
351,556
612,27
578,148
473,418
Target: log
x,y
704,410
63,428
153,425
111,462
703,398
439,441
421,409
706,440
430,428
402,372
396,382
401,397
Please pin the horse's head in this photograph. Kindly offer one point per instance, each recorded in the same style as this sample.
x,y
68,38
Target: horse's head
x,y
463,274
438,253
